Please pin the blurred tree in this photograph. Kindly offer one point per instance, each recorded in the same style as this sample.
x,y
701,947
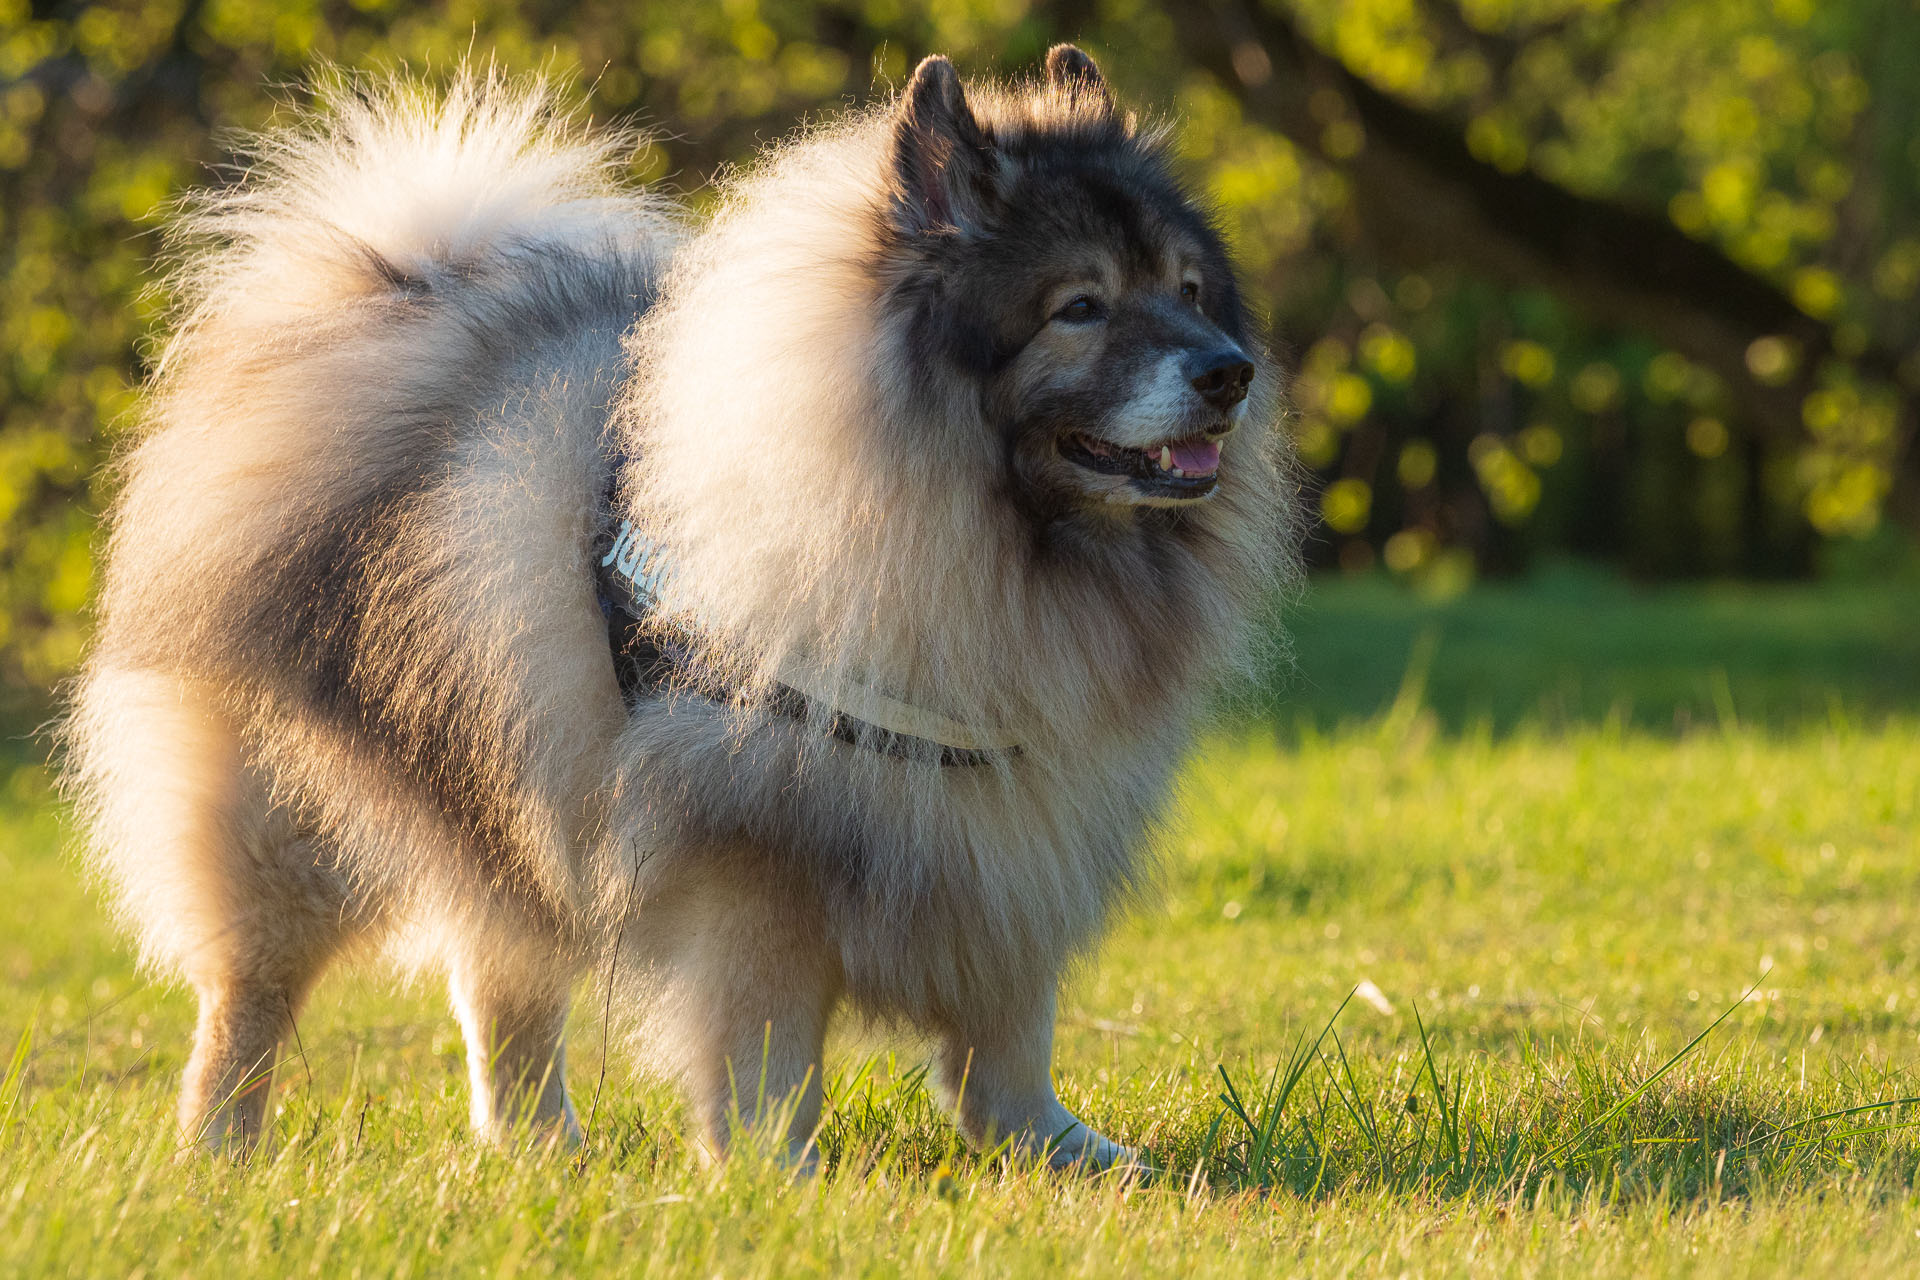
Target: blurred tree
x,y
1700,219
1633,279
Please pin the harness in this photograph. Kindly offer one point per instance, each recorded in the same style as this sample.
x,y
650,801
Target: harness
x,y
650,659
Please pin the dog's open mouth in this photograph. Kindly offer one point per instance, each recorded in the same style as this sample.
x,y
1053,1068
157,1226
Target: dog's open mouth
x,y
1172,468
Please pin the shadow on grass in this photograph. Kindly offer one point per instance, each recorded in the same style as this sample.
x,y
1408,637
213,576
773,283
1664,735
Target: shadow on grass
x,y
1569,1119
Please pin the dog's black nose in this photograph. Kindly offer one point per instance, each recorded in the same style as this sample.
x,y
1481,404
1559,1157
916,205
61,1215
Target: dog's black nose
x,y
1221,377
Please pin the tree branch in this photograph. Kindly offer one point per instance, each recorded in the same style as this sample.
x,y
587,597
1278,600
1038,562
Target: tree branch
x,y
1421,196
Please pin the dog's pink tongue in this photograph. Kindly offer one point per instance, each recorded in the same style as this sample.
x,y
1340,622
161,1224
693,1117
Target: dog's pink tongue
x,y
1197,457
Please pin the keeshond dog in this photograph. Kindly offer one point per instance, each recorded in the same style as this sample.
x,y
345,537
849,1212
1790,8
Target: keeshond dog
x,y
803,610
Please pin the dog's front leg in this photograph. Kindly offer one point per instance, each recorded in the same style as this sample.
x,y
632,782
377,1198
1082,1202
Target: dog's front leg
x,y
755,985
996,1075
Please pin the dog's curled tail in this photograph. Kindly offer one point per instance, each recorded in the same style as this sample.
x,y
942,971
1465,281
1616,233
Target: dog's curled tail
x,y
396,281
387,185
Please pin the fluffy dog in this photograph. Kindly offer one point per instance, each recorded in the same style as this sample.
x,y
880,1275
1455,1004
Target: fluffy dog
x,y
813,606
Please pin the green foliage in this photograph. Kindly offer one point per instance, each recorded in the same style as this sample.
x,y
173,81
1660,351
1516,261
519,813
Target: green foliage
x,y
1455,422
1781,133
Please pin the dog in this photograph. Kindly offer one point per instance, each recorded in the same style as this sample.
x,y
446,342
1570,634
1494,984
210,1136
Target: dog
x,y
807,609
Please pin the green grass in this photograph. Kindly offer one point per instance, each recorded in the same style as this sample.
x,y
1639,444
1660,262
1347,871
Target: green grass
x,y
1587,824
1574,647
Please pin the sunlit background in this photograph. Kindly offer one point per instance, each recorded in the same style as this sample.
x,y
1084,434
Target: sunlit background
x,y
1625,281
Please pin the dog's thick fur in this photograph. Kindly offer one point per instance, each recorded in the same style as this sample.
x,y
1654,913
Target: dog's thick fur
x,y
351,686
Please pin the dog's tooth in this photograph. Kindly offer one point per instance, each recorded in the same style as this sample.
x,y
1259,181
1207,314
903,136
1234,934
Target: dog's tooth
x,y
1179,474
1166,458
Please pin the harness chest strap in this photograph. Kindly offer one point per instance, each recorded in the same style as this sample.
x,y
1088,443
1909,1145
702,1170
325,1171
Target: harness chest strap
x,y
632,571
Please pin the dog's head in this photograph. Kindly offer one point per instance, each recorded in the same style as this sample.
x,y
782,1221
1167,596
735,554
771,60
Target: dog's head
x,y
1049,266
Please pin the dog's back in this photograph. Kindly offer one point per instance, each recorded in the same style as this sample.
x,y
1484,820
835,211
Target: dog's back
x,y
348,653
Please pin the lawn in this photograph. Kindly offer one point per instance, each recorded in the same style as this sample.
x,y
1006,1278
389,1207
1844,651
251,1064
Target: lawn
x,y
1624,881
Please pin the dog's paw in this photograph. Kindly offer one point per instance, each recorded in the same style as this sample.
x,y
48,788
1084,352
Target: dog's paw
x,y
801,1160
1082,1150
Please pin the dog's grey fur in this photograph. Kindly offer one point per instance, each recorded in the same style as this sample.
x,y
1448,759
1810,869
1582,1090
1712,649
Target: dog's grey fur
x,y
351,686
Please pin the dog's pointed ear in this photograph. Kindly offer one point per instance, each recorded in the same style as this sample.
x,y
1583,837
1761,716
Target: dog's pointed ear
x,y
942,159
1073,74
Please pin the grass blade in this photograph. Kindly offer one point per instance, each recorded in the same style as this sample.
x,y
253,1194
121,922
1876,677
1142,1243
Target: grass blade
x,y
1639,1090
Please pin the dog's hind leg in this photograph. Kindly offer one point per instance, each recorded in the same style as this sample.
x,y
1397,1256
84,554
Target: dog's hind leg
x,y
512,1004
284,914
247,1008
222,884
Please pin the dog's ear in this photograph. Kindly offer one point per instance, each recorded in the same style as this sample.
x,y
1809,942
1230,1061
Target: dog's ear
x,y
943,161
1073,75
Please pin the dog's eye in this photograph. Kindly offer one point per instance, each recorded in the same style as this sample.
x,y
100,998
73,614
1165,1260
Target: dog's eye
x,y
1081,310
1190,293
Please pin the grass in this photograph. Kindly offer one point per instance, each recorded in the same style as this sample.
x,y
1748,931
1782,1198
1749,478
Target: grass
x,y
1575,647
1625,882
